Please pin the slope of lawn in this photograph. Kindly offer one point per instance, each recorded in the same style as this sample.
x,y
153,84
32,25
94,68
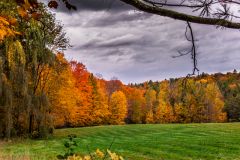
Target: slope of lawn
x,y
138,142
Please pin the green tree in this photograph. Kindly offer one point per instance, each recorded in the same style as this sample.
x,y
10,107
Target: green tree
x,y
232,107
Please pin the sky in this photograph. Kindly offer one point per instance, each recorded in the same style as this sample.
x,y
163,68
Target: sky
x,y
115,40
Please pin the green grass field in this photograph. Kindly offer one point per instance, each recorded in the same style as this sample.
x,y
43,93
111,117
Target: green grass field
x,y
139,142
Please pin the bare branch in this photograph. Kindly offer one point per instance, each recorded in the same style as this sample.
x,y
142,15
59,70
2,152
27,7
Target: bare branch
x,y
191,51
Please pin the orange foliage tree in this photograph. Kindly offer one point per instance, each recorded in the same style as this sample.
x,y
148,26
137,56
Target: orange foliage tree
x,y
80,113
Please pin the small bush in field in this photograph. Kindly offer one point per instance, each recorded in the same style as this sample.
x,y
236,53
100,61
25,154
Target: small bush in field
x,y
70,154
70,144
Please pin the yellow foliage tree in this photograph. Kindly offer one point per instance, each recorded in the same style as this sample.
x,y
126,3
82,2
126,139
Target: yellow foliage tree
x,y
150,98
214,103
164,113
118,107
63,94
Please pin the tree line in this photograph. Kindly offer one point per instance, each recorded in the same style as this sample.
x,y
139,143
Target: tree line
x,y
82,99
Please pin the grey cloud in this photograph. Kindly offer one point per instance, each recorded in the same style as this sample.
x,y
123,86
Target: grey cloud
x,y
105,18
117,19
136,47
117,52
121,41
143,58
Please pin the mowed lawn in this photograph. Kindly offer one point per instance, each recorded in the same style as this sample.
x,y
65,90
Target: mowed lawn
x,y
139,142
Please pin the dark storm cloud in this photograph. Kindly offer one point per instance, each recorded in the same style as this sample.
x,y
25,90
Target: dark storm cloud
x,y
94,5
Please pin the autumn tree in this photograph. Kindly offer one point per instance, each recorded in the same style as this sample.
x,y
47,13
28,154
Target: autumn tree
x,y
136,104
118,108
165,112
214,103
192,108
80,113
150,107
113,85
99,102
91,101
62,95
24,57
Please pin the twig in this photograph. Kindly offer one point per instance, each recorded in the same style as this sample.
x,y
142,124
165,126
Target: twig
x,y
105,156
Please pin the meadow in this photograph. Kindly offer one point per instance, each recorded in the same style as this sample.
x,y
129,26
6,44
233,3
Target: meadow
x,y
137,142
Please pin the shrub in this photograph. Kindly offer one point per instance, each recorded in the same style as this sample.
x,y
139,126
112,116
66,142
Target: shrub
x,y
71,144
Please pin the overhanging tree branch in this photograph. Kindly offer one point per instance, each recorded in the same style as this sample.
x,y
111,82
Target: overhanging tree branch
x,y
146,6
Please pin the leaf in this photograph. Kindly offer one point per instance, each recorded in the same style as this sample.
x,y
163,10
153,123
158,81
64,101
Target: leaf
x,y
5,29
26,5
22,12
3,21
53,4
36,15
12,21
